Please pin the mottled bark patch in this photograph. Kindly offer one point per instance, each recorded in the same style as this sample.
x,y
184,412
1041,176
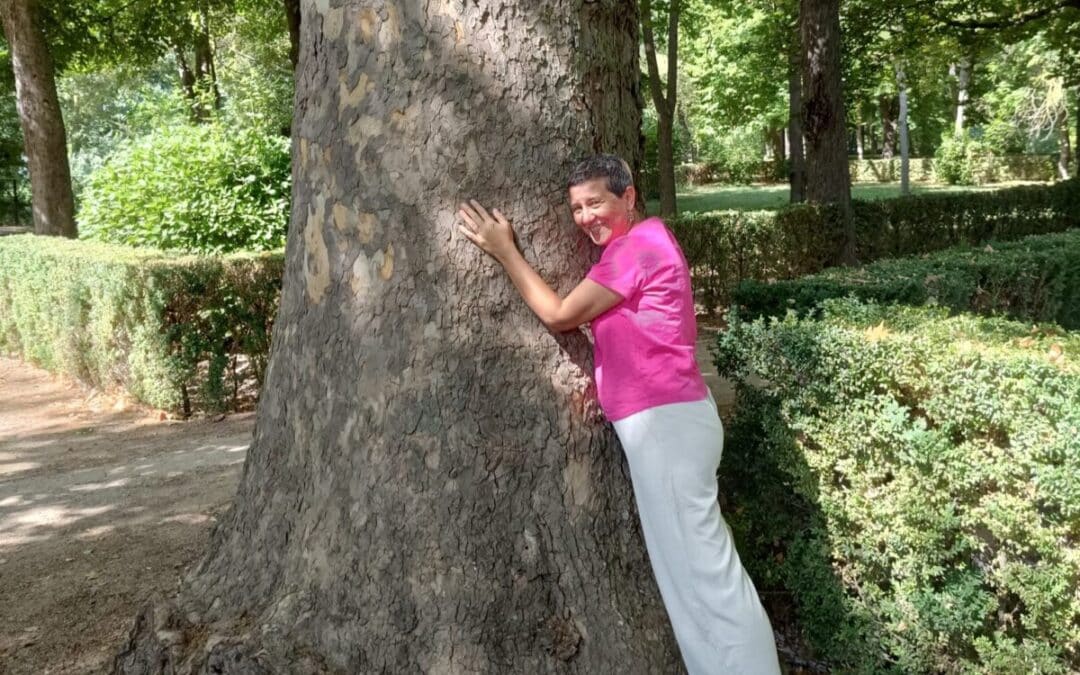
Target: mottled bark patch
x,y
316,257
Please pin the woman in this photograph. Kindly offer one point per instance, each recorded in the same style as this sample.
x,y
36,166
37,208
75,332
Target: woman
x,y
639,303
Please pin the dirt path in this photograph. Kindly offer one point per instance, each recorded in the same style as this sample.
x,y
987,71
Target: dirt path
x,y
102,504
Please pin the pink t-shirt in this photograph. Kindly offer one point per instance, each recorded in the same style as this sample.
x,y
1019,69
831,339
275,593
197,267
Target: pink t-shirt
x,y
645,344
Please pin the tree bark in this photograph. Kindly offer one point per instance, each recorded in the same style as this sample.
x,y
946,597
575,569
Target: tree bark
x,y
888,105
905,150
429,487
859,140
205,72
776,145
665,103
824,120
44,135
962,72
691,153
797,164
1064,150
292,20
187,83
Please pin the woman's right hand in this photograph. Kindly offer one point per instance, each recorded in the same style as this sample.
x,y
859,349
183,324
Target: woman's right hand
x,y
491,232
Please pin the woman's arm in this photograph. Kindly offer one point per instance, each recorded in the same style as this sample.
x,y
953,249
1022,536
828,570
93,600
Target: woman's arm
x,y
495,236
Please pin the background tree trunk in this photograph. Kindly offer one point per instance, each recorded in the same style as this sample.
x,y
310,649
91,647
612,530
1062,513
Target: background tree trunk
x,y
688,136
1064,150
824,120
962,72
430,488
902,119
44,135
665,103
205,72
776,145
887,105
292,20
797,164
859,149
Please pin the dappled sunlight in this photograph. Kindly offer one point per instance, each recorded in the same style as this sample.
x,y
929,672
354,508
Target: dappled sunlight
x,y
97,532
93,482
89,487
187,519
16,467
25,526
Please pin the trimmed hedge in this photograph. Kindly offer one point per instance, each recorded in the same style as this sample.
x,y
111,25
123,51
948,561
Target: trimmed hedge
x,y
181,333
910,478
724,248
1035,279
921,169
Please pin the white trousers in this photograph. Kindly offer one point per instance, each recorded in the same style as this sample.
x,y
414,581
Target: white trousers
x,y
674,452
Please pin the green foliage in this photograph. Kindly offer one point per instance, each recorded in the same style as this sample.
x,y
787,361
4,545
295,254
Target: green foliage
x,y
725,248
1036,278
194,187
167,329
913,484
734,159
965,160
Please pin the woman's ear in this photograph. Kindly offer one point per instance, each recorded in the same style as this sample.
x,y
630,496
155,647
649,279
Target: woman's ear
x,y
630,198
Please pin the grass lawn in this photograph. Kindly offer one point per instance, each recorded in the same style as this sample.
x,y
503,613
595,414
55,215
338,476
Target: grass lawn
x,y
763,197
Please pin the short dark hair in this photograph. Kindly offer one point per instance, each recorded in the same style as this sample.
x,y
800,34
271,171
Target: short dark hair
x,y
610,167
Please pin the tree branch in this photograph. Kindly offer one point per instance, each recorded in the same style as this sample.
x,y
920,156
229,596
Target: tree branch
x,y
999,23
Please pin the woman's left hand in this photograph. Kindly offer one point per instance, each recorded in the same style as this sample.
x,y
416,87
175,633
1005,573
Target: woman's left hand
x,y
491,232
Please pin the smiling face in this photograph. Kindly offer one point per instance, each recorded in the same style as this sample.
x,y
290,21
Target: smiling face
x,y
603,215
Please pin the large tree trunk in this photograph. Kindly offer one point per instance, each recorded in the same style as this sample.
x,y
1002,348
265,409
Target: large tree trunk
x,y
824,121
905,151
797,163
665,103
44,135
429,488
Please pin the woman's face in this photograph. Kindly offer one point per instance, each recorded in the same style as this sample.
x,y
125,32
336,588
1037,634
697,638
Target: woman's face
x,y
603,215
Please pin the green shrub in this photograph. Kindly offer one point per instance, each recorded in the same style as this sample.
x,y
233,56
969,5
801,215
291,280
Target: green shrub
x,y
727,247
199,188
910,479
966,161
1036,278
168,329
